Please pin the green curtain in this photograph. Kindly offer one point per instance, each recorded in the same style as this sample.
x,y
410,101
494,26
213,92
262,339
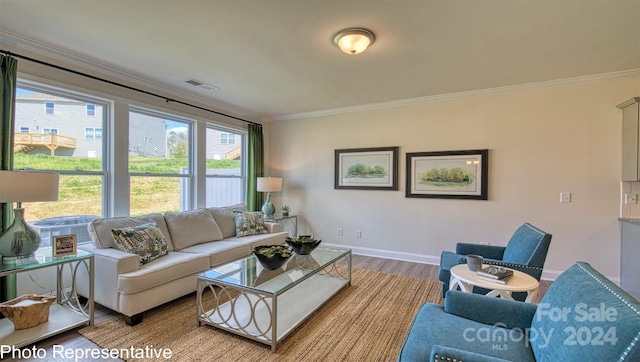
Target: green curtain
x,y
9,70
255,165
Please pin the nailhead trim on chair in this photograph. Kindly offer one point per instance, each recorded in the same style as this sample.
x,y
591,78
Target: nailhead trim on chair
x,y
514,265
539,241
448,358
637,338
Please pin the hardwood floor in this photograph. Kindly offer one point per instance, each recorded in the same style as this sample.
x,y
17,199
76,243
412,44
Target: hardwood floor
x,y
73,340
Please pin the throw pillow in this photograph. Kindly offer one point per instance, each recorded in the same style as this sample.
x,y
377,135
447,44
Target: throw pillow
x,y
145,240
249,223
188,228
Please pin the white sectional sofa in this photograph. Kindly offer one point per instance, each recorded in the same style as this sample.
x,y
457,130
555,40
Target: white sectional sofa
x,y
195,240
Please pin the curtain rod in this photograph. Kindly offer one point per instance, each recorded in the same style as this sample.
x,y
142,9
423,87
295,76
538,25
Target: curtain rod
x,y
168,100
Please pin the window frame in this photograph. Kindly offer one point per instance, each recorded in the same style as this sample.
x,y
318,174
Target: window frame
x,y
190,200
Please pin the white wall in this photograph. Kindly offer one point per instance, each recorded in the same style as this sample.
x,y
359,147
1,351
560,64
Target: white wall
x,y
542,141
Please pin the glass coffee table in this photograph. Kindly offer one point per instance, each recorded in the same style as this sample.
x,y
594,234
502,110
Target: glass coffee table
x,y
266,305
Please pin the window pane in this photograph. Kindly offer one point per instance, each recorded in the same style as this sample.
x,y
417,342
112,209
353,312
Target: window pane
x,y
150,194
49,108
157,144
79,202
65,130
225,184
91,109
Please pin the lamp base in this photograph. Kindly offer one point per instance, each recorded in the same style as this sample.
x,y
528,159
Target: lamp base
x,y
268,209
19,239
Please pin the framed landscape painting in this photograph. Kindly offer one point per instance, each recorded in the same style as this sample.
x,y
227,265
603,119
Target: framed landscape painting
x,y
366,168
448,174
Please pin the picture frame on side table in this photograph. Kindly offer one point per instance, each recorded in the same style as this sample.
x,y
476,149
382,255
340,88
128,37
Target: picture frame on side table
x,y
64,245
448,174
366,168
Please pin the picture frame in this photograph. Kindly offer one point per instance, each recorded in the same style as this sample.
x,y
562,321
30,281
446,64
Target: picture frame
x,y
366,168
64,245
448,174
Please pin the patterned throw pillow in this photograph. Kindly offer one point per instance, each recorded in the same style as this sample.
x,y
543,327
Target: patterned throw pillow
x,y
249,223
145,240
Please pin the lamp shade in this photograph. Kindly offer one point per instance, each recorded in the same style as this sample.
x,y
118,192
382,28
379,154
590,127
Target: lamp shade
x,y
28,186
354,41
269,184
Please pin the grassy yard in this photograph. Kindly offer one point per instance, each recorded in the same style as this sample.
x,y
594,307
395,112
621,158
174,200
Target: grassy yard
x,y
82,194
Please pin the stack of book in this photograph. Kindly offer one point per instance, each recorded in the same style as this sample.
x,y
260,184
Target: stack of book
x,y
495,274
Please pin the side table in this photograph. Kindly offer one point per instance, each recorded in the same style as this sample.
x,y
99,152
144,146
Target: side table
x,y
465,279
67,313
288,223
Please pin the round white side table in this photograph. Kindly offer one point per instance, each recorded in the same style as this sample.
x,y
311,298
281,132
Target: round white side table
x,y
465,279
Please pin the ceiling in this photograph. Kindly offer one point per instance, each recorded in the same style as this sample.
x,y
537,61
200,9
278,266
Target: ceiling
x,y
275,58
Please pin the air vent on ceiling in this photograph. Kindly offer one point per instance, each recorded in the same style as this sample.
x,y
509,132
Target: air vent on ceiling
x,y
202,85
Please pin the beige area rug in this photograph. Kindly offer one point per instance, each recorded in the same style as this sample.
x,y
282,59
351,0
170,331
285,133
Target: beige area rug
x,y
367,321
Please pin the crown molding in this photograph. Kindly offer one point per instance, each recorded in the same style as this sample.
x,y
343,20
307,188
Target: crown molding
x,y
597,78
37,49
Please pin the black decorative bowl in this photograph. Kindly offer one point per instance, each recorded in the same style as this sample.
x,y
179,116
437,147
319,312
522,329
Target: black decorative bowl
x,y
303,244
272,257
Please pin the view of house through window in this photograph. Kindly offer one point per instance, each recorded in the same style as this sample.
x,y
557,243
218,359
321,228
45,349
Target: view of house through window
x,y
225,181
66,132
56,141
159,162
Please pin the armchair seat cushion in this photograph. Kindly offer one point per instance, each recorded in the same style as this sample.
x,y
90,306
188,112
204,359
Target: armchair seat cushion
x,y
432,326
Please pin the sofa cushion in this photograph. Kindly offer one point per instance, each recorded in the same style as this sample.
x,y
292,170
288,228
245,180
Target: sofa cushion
x,y
229,249
224,218
249,223
173,266
100,229
591,319
146,240
192,227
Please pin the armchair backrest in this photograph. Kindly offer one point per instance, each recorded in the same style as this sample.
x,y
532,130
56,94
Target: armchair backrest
x,y
586,317
528,246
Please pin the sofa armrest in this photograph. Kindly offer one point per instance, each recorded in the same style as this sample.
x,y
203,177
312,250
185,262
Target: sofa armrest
x,y
273,227
492,311
109,263
486,251
442,353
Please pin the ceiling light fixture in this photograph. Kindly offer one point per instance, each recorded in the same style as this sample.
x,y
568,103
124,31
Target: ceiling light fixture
x,y
354,40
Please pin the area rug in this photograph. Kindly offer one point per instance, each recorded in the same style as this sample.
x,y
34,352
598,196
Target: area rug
x,y
367,321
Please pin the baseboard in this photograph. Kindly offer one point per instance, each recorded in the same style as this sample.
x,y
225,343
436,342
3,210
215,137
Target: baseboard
x,y
429,259
389,254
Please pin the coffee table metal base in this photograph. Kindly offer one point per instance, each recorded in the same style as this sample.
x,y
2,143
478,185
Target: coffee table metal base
x,y
268,317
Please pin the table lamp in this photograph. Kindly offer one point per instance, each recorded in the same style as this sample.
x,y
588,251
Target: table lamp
x,y
20,239
269,185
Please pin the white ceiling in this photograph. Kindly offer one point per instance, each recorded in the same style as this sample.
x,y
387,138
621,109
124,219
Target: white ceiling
x,y
272,58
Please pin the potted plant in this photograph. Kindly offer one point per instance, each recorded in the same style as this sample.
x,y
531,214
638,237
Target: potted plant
x,y
303,244
285,210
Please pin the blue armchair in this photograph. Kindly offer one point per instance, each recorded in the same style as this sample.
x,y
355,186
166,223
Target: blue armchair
x,y
582,317
526,251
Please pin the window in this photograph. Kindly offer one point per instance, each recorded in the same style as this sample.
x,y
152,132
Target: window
x,y
227,139
82,178
225,172
159,162
91,109
49,107
91,133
